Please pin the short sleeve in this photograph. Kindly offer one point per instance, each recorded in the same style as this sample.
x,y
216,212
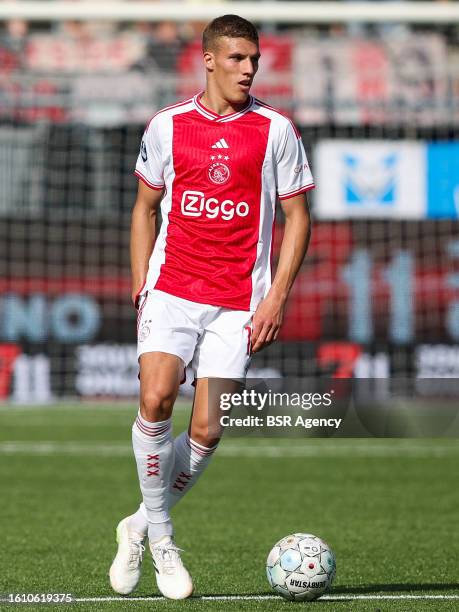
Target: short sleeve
x,y
292,168
150,166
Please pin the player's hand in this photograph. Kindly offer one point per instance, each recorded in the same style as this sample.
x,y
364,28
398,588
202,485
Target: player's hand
x,y
136,293
267,322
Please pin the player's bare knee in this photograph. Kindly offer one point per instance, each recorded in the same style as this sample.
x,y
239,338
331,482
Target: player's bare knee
x,y
204,436
156,405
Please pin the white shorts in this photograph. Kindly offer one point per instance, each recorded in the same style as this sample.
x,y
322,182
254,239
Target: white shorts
x,y
215,341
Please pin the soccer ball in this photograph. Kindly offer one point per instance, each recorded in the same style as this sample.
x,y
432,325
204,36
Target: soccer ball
x,y
301,567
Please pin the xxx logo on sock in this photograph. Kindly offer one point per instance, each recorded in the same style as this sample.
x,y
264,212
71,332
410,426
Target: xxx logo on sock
x,y
152,465
181,481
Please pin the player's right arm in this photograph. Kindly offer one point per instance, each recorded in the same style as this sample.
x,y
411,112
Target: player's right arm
x,y
149,170
143,234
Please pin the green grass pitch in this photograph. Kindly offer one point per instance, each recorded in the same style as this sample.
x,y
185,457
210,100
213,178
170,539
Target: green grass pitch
x,y
388,508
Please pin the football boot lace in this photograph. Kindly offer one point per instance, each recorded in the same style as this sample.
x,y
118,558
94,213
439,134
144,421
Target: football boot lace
x,y
169,557
136,550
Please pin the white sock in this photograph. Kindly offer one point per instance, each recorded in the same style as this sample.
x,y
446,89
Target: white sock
x,y
139,521
188,466
191,459
154,454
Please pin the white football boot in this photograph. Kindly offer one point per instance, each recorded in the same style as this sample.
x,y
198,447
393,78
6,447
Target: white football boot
x,y
125,570
172,577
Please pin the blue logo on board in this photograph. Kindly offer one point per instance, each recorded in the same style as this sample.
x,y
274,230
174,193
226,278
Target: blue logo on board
x,y
370,183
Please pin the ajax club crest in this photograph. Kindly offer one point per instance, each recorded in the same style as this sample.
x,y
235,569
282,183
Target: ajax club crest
x,y
218,172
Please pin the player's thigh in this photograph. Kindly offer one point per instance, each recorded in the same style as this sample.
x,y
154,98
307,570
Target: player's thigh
x,y
205,423
160,376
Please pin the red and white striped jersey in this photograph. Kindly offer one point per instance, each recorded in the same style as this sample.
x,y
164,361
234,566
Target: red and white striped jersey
x,y
221,176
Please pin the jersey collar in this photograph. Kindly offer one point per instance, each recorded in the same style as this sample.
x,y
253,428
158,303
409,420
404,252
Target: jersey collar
x,y
212,116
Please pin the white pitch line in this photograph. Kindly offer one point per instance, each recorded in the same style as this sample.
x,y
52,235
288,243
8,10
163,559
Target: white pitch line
x,y
65,448
339,448
66,407
349,597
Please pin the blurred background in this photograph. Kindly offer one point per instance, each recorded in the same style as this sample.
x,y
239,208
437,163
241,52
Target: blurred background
x,y
374,90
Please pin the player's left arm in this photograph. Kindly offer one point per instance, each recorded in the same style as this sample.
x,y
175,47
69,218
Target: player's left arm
x,y
269,315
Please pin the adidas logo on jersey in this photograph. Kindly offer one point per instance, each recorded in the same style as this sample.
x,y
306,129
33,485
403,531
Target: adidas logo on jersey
x,y
221,144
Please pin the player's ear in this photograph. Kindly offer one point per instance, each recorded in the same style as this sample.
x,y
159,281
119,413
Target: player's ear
x,y
209,60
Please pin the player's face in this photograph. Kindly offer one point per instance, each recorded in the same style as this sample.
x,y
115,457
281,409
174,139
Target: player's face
x,y
232,66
